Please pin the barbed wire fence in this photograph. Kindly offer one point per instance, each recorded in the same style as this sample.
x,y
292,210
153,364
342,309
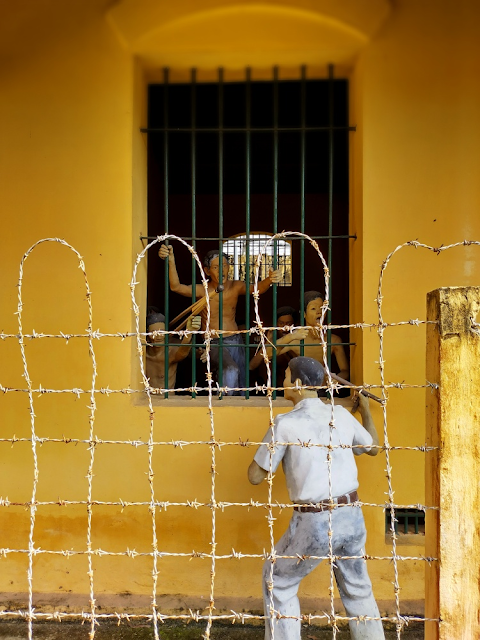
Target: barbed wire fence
x,y
93,616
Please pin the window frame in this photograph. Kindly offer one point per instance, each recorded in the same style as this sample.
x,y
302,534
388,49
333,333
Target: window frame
x,y
220,238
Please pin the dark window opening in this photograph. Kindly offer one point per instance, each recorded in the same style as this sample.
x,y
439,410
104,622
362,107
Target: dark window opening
x,y
231,159
407,522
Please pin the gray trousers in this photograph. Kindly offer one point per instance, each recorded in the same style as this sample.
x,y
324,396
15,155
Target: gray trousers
x,y
233,362
307,534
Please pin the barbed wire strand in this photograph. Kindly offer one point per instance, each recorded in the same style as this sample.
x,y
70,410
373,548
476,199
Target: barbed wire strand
x,y
97,334
273,612
92,408
160,391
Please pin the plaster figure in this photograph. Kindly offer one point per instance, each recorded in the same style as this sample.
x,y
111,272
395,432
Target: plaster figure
x,y
307,477
313,302
155,356
233,351
286,317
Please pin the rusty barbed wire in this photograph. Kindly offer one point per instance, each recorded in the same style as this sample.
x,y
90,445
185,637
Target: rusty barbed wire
x,y
196,616
5,502
217,443
155,399
202,555
123,335
257,388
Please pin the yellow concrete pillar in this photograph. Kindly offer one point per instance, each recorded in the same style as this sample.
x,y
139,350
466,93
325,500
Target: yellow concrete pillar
x,y
453,471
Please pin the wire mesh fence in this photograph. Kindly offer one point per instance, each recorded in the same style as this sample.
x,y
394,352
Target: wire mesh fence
x,y
90,444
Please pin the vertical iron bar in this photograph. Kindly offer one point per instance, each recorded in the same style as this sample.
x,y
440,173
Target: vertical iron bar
x,y
302,202
194,215
247,228
165,188
275,220
220,223
330,203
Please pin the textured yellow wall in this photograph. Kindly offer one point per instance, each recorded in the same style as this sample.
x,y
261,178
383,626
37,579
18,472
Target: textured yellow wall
x,y
416,91
73,166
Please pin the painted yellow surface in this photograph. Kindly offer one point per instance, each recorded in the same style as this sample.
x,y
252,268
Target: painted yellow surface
x,y
452,594
73,78
138,21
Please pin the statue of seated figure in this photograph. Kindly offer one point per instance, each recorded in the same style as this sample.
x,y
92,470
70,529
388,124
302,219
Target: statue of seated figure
x,y
313,303
155,356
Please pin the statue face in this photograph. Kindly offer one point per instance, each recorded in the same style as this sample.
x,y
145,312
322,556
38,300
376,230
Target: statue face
x,y
156,326
213,271
284,321
313,313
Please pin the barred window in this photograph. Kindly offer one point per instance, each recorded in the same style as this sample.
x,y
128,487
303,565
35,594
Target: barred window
x,y
230,164
236,249
407,522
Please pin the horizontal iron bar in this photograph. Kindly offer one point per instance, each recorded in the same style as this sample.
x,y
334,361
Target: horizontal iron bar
x,y
240,129
255,345
256,240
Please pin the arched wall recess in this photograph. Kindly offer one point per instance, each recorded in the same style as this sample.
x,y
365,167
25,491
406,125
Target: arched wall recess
x,y
234,34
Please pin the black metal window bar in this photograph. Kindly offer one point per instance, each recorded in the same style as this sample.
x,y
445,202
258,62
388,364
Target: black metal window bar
x,y
183,139
407,521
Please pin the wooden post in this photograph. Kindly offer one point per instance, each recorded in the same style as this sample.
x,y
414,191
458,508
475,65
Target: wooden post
x,y
452,473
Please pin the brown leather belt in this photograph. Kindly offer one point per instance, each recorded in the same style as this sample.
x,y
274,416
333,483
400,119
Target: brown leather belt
x,y
324,505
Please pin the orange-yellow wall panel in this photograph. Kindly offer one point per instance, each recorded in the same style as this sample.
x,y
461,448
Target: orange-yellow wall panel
x,y
73,166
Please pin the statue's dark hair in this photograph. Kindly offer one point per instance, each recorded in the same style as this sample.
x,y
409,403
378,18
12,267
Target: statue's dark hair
x,y
152,310
286,311
211,255
309,371
310,296
154,317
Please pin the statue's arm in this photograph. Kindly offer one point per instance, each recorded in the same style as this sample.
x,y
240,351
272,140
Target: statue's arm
x,y
181,352
258,357
274,277
341,358
368,424
293,340
166,251
255,473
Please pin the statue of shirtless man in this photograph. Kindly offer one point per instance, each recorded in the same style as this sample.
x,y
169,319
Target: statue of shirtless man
x,y
233,357
155,356
313,303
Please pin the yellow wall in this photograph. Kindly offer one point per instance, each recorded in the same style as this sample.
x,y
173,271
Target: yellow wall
x,y
73,166
420,159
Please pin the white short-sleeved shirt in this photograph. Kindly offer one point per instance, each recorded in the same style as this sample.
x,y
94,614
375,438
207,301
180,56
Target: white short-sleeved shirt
x,y
306,467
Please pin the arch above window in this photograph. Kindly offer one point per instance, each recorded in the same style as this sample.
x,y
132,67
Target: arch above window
x,y
285,33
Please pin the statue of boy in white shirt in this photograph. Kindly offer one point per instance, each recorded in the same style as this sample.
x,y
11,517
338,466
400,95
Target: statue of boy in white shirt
x,y
318,486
